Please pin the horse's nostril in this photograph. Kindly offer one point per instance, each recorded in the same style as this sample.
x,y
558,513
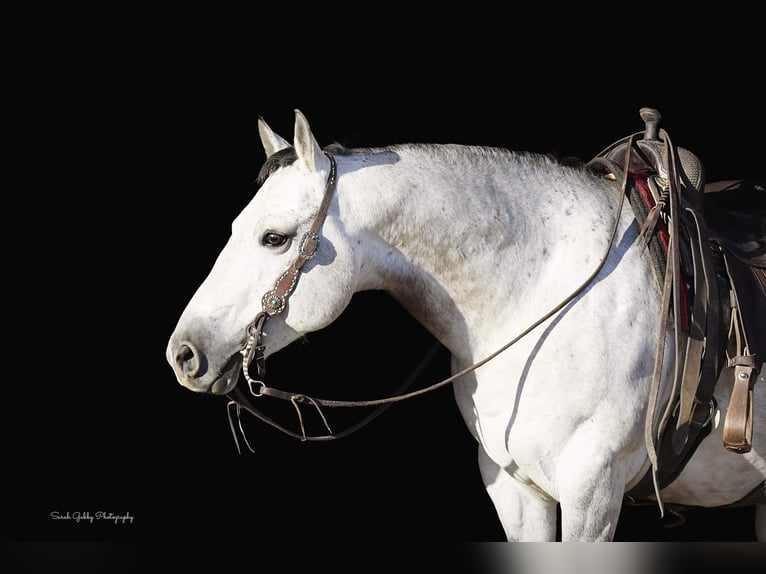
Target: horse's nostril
x,y
187,359
185,353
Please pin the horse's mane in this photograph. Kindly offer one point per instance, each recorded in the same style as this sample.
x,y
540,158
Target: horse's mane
x,y
449,152
468,153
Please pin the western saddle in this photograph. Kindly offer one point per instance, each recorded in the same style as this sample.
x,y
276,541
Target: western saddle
x,y
708,245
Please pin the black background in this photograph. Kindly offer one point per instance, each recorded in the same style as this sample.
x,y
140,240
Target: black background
x,y
138,146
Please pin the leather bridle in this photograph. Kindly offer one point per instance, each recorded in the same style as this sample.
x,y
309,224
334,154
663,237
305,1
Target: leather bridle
x,y
275,302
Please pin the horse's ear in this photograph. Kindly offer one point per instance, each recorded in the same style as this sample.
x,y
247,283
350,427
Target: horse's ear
x,y
272,142
306,145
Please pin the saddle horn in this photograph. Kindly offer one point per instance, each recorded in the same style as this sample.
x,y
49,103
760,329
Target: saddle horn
x,y
651,119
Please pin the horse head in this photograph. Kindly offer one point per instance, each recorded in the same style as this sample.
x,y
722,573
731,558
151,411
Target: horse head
x,y
268,238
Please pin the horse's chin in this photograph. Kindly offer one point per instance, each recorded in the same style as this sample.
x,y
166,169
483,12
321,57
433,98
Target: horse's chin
x,y
228,377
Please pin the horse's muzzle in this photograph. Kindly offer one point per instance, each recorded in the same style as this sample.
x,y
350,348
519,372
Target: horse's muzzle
x,y
193,369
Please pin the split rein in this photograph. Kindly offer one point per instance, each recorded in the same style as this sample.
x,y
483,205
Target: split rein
x,y
275,301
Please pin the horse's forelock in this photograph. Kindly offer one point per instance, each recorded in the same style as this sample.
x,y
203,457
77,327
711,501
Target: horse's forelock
x,y
282,158
287,156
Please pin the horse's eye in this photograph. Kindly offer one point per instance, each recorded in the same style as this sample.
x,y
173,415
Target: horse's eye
x,y
273,239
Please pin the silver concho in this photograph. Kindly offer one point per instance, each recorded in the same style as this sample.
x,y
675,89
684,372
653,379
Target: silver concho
x,y
273,302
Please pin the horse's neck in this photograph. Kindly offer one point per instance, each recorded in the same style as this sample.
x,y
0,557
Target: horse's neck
x,y
459,235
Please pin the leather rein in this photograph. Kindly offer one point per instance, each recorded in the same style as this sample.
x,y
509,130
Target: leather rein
x,y
275,302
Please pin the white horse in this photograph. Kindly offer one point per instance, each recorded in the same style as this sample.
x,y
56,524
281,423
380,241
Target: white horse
x,y
477,244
